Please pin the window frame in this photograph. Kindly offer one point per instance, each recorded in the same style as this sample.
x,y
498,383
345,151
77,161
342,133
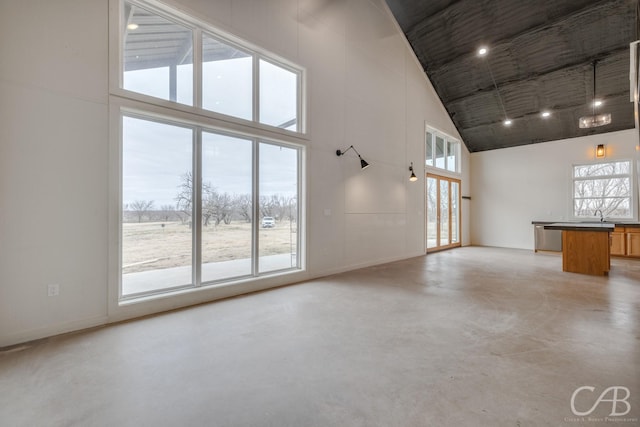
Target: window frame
x,y
128,103
633,197
198,128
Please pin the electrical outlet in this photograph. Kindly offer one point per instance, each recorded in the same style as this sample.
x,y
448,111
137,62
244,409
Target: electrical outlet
x,y
53,290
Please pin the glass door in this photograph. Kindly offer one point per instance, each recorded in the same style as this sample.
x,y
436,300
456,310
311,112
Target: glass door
x,y
443,212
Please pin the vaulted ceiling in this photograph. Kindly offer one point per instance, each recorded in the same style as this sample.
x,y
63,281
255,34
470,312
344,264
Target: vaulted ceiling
x,y
540,57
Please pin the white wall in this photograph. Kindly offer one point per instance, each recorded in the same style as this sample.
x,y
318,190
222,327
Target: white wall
x,y
365,88
514,186
53,166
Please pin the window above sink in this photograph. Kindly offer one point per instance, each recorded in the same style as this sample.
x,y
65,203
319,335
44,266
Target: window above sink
x,y
603,190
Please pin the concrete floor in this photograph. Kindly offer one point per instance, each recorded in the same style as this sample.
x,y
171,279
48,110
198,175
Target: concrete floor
x,y
467,337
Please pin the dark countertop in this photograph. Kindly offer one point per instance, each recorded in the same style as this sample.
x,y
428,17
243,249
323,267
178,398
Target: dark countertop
x,y
580,226
614,223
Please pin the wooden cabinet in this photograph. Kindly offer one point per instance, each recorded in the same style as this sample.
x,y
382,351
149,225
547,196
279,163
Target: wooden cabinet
x,y
625,241
633,242
618,242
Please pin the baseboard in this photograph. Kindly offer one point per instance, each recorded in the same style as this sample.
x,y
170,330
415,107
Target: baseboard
x,y
358,266
49,331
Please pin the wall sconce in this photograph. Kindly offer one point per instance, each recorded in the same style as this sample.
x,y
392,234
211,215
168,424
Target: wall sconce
x,y
600,151
363,162
413,177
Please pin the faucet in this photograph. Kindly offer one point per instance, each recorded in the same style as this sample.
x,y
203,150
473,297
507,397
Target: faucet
x,y
601,215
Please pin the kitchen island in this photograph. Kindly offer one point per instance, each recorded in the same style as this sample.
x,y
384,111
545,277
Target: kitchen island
x,y
585,247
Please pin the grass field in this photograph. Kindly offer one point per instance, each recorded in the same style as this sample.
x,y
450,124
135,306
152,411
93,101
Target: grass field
x,y
159,245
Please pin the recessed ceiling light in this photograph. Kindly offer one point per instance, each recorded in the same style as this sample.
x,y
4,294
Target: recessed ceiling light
x,y
597,103
546,114
483,51
132,26
507,122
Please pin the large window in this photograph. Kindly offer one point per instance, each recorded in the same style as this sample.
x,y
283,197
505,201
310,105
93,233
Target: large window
x,y
178,60
603,189
188,226
442,151
209,191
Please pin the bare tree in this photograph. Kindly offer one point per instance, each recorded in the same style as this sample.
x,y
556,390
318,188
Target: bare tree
x,y
270,206
184,199
243,206
290,205
141,208
216,207
226,208
222,207
167,211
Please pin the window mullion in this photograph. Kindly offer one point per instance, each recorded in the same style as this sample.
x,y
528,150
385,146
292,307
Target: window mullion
x,y
255,246
601,177
196,220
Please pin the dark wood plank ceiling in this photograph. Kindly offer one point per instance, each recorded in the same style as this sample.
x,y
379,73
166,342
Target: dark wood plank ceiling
x,y
541,55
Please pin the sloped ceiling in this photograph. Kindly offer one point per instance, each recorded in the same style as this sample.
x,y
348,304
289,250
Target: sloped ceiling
x,y
541,56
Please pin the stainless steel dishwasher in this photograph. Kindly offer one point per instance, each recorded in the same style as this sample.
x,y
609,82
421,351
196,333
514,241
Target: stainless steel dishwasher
x,y
547,240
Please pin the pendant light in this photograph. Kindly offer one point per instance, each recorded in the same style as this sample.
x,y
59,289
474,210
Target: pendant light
x,y
594,120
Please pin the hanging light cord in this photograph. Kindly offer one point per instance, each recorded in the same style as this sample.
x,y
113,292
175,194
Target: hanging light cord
x,y
594,89
497,90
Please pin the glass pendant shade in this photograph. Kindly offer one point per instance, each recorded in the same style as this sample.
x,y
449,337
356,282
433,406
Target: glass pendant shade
x,y
594,121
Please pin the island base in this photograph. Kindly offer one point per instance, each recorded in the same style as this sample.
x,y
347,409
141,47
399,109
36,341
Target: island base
x,y
586,252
